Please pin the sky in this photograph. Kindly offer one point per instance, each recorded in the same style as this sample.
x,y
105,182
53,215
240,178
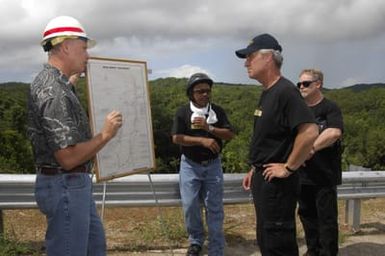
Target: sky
x,y
343,38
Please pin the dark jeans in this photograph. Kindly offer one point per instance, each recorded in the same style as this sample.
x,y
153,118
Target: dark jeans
x,y
319,216
275,204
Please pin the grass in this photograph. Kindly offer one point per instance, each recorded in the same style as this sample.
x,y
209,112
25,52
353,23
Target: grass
x,y
15,248
164,227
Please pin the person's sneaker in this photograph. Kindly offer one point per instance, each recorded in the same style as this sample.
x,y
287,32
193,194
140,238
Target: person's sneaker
x,y
194,250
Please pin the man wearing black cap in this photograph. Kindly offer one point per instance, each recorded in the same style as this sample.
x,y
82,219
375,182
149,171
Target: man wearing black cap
x,y
284,132
199,128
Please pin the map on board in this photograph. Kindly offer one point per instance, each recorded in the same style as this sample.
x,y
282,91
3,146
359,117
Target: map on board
x,y
121,85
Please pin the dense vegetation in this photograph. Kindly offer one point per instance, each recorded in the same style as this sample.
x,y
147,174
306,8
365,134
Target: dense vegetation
x,y
363,108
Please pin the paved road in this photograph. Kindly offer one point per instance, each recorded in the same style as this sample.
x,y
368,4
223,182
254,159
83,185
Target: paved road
x,y
357,245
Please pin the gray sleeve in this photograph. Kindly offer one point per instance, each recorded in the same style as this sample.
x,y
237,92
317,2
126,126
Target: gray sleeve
x,y
59,122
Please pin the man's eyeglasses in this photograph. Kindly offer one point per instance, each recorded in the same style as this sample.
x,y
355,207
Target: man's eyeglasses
x,y
305,84
202,91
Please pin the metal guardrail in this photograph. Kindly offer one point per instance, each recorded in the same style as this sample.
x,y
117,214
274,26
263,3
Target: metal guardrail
x,y
358,185
368,184
17,191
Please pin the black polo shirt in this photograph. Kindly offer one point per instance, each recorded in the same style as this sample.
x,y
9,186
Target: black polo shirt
x,y
280,111
182,125
324,168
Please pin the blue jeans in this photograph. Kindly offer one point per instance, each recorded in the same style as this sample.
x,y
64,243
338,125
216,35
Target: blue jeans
x,y
74,228
203,183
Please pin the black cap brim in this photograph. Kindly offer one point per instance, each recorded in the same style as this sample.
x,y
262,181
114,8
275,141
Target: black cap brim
x,y
243,53
263,41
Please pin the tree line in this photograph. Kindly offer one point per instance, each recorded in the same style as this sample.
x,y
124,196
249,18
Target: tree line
x,y
363,109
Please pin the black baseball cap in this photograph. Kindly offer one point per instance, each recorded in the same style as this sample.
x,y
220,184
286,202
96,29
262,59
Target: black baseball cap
x,y
263,41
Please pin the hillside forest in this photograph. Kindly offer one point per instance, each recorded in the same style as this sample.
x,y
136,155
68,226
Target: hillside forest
x,y
363,108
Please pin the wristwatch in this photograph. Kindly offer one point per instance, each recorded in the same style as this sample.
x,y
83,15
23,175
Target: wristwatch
x,y
291,171
211,128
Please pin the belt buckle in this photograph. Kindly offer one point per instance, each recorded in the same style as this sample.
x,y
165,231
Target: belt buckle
x,y
48,170
257,167
205,162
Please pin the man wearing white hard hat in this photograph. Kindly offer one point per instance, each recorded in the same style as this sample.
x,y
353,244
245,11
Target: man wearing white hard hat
x,y
63,146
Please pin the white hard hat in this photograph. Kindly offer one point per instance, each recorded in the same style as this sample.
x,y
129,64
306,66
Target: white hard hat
x,y
63,27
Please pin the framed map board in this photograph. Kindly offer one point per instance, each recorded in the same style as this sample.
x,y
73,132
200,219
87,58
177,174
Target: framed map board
x,y
121,85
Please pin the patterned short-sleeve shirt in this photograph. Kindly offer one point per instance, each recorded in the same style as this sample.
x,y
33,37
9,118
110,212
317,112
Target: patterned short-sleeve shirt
x,y
56,118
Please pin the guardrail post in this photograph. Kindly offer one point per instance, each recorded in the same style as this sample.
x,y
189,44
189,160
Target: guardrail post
x,y
353,213
1,223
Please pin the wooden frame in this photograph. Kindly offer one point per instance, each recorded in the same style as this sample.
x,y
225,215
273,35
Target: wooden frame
x,y
121,85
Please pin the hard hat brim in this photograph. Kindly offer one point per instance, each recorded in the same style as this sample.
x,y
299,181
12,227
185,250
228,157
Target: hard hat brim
x,y
57,40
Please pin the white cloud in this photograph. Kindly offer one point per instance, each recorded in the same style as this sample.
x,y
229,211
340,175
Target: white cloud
x,y
184,71
171,33
175,20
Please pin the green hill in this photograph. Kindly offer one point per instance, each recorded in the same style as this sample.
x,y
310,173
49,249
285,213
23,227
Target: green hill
x,y
364,87
363,108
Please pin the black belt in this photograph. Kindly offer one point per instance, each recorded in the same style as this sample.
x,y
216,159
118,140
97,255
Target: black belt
x,y
258,167
204,162
58,170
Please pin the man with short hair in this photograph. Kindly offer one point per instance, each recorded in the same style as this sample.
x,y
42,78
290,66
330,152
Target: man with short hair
x,y
321,173
199,128
284,132
63,146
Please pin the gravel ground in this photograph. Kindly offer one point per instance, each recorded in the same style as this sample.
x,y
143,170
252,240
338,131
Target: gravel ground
x,y
135,231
